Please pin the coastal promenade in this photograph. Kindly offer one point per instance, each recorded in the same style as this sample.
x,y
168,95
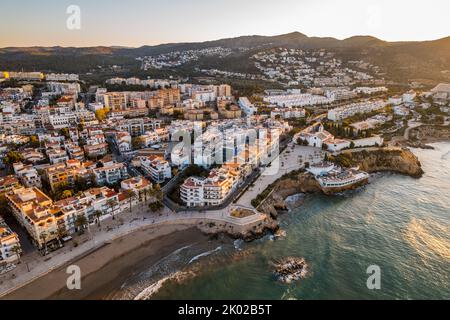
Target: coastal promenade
x,y
292,159
34,266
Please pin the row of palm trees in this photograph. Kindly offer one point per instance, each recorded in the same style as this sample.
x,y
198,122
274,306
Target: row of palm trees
x,y
81,222
131,195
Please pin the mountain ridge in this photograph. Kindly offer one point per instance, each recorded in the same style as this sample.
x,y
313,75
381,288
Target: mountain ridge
x,y
400,59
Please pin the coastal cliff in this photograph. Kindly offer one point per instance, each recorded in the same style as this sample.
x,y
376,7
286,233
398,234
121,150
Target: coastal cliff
x,y
372,160
397,160
427,134
245,232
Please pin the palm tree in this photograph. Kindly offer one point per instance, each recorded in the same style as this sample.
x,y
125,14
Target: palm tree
x,y
61,233
17,251
81,222
112,203
43,236
147,192
157,192
98,214
130,194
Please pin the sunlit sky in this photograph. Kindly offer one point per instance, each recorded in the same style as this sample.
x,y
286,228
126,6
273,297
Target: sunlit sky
x,y
149,22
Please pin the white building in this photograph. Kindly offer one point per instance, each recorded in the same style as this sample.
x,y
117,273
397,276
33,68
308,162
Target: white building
x,y
156,168
211,191
288,113
28,175
297,100
246,106
350,110
111,173
10,248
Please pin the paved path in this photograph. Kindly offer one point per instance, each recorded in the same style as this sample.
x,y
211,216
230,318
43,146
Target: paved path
x,y
290,160
411,125
95,238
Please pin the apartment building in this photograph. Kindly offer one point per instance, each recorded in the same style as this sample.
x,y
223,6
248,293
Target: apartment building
x,y
10,248
57,155
111,173
87,204
34,210
137,127
96,150
66,173
246,106
75,152
156,168
28,175
115,101
213,190
139,185
123,141
8,184
288,113
297,100
32,155
350,110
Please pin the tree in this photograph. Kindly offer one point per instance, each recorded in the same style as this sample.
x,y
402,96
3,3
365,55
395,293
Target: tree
x,y
157,192
17,251
112,203
65,133
98,214
81,222
34,142
43,237
136,143
131,195
66,194
101,114
12,157
156,206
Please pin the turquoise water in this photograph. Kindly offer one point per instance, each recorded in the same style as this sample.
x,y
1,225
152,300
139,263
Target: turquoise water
x,y
398,223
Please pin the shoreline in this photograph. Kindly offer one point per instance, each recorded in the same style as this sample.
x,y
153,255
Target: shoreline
x,y
207,224
106,263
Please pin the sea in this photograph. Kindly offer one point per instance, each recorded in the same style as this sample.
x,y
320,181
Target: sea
x,y
397,224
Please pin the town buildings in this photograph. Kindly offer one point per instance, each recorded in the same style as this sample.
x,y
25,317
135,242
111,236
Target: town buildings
x,y
10,248
350,110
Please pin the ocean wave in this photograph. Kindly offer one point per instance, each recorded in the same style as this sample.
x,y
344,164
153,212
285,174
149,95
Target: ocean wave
x,y
151,290
205,254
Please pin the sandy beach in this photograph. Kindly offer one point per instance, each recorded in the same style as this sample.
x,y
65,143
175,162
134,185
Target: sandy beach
x,y
108,266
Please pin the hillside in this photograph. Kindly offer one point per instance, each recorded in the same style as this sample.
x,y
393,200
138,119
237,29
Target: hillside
x,y
400,60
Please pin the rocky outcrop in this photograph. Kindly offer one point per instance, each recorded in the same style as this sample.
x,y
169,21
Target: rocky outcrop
x,y
290,269
302,182
398,160
372,160
429,133
246,232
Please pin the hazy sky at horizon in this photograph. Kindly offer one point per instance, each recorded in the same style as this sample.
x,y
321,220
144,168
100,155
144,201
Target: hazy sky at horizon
x,y
150,22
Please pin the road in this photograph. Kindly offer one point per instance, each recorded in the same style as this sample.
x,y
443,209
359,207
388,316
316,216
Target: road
x,y
412,124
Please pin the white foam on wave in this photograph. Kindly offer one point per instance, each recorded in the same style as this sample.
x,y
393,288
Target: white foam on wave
x,y
151,290
205,254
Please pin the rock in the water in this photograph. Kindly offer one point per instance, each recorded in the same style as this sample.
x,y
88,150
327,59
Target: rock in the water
x,y
290,269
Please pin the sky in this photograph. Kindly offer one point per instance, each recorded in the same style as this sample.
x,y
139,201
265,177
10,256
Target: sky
x,y
135,23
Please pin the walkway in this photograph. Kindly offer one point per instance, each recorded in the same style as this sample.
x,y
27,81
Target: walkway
x,y
291,159
34,265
